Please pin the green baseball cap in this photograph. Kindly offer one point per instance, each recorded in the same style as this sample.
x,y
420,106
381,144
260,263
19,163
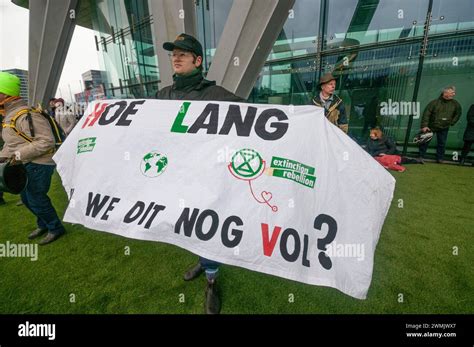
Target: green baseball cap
x,y
9,84
185,42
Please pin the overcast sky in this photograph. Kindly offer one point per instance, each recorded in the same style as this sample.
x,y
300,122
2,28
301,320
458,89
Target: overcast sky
x,y
81,57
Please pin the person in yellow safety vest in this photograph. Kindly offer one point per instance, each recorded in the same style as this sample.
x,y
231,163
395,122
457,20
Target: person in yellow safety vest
x,y
28,138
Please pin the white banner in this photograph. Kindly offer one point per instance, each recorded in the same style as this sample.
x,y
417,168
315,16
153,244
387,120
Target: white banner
x,y
271,188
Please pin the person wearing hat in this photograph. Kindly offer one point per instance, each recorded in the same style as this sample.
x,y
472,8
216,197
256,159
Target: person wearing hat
x,y
333,105
35,155
190,84
188,80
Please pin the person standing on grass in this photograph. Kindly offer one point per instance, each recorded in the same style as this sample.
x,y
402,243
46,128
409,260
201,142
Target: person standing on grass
x,y
468,135
334,108
190,84
438,116
35,154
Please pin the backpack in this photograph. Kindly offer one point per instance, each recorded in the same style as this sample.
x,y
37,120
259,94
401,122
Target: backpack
x,y
58,132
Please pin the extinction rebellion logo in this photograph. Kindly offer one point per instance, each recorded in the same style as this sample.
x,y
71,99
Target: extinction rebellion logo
x,y
86,145
248,165
294,171
153,164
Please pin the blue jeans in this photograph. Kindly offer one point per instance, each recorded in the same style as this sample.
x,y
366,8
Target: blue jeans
x,y
35,197
441,137
210,266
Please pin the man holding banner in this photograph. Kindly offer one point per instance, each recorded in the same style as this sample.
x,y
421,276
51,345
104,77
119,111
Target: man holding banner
x,y
298,198
189,84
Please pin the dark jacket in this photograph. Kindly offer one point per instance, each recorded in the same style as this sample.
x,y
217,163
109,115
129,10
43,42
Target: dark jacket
x,y
383,145
196,87
335,113
441,114
469,133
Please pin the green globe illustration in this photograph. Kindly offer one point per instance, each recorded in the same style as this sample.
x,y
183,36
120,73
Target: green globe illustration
x,y
153,164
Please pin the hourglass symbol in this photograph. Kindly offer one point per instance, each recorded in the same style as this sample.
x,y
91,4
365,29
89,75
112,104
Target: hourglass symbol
x,y
248,165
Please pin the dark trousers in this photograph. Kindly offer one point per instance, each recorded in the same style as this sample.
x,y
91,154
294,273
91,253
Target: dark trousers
x,y
466,149
210,266
35,197
441,137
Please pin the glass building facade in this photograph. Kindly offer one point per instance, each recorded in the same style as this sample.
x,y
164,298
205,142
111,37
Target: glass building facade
x,y
379,51
124,39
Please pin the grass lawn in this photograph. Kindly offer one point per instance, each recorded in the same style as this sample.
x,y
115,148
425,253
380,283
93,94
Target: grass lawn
x,y
414,258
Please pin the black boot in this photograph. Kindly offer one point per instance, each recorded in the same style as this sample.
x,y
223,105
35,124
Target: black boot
x,y
213,303
37,232
193,272
50,237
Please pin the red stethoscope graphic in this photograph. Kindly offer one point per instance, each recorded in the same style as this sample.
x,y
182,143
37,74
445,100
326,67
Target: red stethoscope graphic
x,y
249,175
